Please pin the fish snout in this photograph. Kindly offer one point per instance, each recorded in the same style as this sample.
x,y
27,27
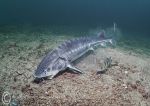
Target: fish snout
x,y
36,74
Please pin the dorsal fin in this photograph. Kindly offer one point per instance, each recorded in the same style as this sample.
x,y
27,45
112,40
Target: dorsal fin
x,y
101,35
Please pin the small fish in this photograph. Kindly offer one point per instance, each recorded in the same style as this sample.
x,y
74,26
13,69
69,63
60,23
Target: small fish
x,y
105,65
64,55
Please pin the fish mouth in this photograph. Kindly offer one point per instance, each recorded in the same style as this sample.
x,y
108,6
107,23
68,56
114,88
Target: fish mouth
x,y
38,79
39,76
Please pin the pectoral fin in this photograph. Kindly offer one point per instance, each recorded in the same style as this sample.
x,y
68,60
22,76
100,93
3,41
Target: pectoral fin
x,y
74,69
52,74
50,77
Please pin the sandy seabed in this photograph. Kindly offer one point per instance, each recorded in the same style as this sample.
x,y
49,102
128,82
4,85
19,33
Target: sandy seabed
x,y
127,83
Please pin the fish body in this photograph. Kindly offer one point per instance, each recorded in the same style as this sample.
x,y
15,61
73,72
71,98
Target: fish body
x,y
61,58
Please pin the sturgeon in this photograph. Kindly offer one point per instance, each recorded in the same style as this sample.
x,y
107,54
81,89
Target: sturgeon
x,y
62,57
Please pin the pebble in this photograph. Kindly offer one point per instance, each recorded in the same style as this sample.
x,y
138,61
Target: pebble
x,y
125,86
126,72
46,93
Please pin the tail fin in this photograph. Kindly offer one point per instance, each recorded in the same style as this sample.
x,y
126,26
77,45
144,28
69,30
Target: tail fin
x,y
114,28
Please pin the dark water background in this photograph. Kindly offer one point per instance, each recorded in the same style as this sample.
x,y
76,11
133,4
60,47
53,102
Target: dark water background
x,y
131,16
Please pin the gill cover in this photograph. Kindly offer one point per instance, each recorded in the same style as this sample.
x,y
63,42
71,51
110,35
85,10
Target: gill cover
x,y
59,64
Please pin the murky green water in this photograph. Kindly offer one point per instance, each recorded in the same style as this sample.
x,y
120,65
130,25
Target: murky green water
x,y
29,29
